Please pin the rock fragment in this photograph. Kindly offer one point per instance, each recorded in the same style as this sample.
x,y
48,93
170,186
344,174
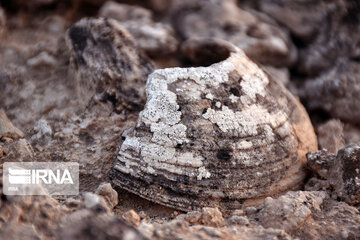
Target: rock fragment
x,y
106,63
108,193
156,39
340,174
131,217
331,135
87,225
290,210
336,91
7,129
260,37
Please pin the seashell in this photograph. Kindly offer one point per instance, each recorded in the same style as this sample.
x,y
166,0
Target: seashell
x,y
107,64
217,136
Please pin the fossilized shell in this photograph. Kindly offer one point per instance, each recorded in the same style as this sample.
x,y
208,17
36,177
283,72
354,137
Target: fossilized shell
x,y
214,136
107,64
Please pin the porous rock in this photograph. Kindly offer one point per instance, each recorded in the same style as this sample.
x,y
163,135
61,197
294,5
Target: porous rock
x,y
107,64
339,174
261,39
156,39
214,136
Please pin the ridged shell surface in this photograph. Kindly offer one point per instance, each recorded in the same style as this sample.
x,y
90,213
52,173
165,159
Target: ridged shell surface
x,y
214,136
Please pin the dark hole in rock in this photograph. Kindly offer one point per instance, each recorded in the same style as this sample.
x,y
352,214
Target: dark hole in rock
x,y
223,154
206,52
235,92
79,37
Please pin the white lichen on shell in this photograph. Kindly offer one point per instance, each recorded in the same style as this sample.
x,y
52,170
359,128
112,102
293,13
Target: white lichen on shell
x,y
194,145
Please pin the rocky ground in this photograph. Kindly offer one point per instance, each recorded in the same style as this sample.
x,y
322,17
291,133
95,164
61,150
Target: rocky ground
x,y
72,80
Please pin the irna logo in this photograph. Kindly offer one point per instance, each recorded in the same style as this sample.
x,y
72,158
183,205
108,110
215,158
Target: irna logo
x,y
39,178
47,176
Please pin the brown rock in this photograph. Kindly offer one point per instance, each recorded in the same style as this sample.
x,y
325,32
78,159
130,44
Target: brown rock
x,y
331,135
208,216
7,129
290,210
336,91
108,193
156,39
342,172
131,217
106,63
87,225
260,37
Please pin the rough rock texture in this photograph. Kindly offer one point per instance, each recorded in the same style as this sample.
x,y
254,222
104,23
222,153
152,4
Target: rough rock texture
x,y
87,225
156,39
260,37
320,47
293,208
39,98
214,137
29,217
7,129
331,135
13,145
108,193
338,174
131,217
336,91
107,64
